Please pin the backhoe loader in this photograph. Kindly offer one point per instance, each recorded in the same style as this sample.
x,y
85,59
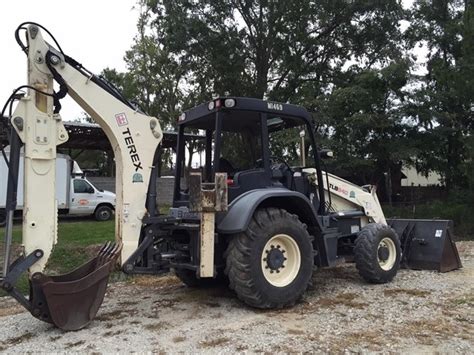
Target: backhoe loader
x,y
253,213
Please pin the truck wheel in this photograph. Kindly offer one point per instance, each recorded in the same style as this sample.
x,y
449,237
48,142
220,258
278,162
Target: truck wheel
x,y
103,213
270,264
377,253
189,278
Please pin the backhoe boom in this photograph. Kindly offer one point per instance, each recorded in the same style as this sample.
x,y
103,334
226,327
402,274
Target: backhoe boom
x,y
134,138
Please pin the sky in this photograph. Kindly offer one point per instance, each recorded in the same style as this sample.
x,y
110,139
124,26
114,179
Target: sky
x,y
94,32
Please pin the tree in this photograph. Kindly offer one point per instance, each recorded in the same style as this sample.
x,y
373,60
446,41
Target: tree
x,y
281,50
270,48
443,103
363,123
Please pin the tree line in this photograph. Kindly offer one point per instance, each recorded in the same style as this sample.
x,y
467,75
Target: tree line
x,y
388,83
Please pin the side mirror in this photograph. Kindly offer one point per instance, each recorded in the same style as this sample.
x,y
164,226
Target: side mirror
x,y
326,154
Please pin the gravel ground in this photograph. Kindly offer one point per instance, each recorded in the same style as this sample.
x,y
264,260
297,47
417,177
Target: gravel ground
x,y
420,311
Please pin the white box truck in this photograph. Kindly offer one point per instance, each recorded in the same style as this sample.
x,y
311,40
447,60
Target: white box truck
x,y
76,196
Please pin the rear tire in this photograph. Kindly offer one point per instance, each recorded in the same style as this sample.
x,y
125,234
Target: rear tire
x,y
270,265
189,278
377,253
103,213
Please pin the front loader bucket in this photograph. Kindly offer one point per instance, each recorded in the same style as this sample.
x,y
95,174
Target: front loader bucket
x,y
427,244
71,301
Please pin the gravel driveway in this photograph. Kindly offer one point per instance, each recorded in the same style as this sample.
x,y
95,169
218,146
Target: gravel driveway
x,y
421,311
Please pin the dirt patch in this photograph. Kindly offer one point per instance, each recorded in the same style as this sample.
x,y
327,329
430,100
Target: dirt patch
x,y
405,291
11,310
112,333
157,326
179,339
156,282
73,344
165,303
114,315
295,331
342,299
374,338
19,339
212,343
465,300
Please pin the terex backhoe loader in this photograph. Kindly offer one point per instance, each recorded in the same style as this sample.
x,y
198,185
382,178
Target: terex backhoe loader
x,y
254,213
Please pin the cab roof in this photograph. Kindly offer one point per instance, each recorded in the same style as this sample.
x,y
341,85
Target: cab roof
x,y
244,112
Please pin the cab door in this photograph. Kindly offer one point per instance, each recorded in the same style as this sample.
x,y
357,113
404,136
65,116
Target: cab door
x,y
82,197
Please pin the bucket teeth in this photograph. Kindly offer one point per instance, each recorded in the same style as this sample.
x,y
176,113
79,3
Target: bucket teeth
x,y
108,252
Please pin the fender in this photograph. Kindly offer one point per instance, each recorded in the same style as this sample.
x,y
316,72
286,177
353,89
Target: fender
x,y
241,210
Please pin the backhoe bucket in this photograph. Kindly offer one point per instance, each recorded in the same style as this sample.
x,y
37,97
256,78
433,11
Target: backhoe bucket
x,y
71,301
427,244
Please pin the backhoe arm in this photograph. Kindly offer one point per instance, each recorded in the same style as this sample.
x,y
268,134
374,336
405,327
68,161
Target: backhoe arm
x,y
134,138
71,301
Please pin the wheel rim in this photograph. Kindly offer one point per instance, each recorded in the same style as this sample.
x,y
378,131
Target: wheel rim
x,y
104,214
281,260
386,254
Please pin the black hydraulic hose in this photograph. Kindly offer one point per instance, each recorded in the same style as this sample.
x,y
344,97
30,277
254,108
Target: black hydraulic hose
x,y
151,193
100,81
12,190
22,27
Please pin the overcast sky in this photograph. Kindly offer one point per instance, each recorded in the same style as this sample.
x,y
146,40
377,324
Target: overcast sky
x,y
94,32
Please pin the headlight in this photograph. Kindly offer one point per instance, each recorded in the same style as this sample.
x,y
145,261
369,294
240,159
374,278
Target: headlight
x,y
229,103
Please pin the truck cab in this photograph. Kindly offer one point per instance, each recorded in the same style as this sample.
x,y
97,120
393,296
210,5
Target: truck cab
x,y
87,199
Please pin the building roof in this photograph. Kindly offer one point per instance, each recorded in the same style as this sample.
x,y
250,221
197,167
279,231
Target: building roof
x,y
90,136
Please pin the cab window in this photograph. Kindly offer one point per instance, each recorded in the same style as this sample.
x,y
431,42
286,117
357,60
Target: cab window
x,y
82,187
286,138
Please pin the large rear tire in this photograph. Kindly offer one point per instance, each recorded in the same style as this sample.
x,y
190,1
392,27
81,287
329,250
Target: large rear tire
x,y
270,265
377,253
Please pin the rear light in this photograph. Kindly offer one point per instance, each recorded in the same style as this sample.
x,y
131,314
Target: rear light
x,y
230,181
182,117
211,106
218,103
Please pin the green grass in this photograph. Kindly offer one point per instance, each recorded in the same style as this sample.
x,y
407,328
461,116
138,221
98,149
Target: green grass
x,y
75,245
73,248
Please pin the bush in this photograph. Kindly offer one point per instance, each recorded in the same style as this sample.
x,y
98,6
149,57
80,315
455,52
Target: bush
x,y
456,209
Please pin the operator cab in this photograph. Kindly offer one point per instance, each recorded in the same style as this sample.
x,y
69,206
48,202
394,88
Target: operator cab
x,y
259,144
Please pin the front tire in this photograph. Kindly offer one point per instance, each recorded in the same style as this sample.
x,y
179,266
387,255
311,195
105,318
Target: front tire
x,y
103,213
270,265
377,253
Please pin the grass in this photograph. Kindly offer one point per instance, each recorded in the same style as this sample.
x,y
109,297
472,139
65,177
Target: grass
x,y
73,248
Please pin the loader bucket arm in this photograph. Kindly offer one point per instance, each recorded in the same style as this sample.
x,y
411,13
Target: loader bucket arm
x,y
71,301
